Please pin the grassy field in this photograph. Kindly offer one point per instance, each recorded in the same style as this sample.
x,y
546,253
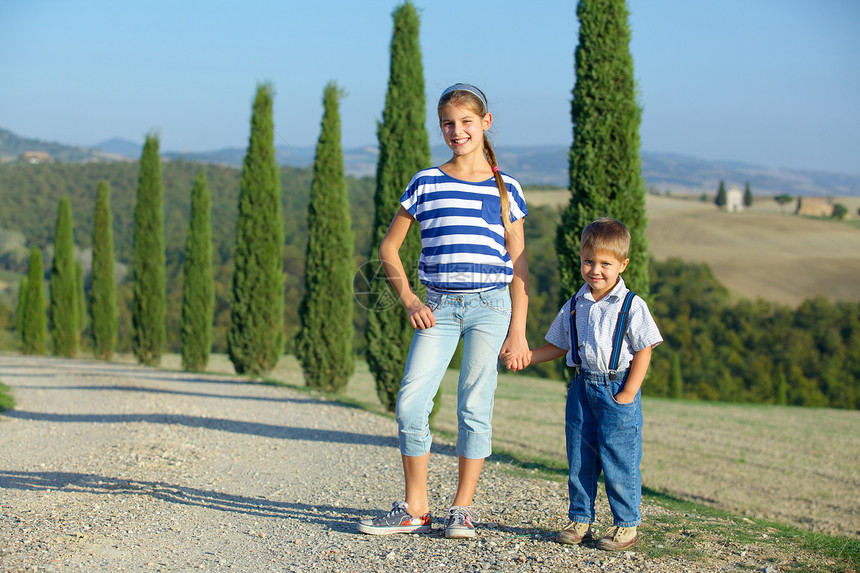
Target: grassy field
x,y
759,253
790,465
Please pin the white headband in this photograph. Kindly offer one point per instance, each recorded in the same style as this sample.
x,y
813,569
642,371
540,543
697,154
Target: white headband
x,y
467,88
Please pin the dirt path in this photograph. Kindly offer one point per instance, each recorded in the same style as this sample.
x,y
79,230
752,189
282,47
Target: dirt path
x,y
108,467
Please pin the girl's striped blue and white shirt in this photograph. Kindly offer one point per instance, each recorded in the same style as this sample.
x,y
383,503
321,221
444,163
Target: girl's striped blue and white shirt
x,y
462,235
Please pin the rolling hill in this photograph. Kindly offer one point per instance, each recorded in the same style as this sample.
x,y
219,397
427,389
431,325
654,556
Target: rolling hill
x,y
536,165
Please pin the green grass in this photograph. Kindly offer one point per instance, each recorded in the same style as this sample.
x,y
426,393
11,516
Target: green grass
x,y
686,525
675,533
7,402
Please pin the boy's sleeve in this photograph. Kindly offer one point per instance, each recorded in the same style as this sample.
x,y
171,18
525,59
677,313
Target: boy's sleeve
x,y
643,331
559,331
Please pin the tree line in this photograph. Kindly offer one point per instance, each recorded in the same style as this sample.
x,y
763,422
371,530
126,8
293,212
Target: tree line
x,y
750,351
740,351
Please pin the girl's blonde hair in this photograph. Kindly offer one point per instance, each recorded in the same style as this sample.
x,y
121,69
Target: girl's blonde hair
x,y
470,97
606,234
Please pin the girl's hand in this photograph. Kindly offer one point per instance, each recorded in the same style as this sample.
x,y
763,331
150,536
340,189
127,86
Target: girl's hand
x,y
515,352
511,364
420,315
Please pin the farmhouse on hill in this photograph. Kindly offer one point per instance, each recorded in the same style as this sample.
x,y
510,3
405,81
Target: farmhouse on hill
x,y
814,207
734,200
34,157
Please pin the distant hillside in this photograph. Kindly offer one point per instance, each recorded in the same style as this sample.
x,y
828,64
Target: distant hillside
x,y
545,165
12,146
667,171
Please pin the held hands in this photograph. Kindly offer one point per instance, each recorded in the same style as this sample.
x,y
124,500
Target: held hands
x,y
515,353
512,363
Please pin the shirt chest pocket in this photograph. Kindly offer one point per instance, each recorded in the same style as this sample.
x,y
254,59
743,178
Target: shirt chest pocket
x,y
491,209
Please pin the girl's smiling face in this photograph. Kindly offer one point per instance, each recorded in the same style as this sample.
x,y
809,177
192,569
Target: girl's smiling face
x,y
463,129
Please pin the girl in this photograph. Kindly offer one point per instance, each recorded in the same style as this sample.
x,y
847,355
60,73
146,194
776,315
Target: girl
x,y
473,265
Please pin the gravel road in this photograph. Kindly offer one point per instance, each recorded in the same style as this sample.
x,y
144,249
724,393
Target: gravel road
x,y
111,467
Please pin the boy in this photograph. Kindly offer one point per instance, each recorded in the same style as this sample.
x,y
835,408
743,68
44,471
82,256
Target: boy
x,y
603,417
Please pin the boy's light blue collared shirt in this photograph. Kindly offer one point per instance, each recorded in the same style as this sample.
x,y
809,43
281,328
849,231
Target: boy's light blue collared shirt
x,y
595,322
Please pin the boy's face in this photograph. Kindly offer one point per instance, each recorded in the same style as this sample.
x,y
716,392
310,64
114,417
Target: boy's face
x,y
600,270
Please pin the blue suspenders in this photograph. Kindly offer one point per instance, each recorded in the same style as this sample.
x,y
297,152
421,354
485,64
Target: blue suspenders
x,y
617,338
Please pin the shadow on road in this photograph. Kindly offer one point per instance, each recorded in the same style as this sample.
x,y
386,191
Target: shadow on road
x,y
337,518
144,389
221,424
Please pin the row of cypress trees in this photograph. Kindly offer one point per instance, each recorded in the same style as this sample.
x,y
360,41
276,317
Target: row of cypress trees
x,y
68,306
605,179
324,343
256,336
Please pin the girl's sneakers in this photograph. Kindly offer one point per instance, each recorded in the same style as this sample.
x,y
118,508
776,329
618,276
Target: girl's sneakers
x,y
460,522
398,520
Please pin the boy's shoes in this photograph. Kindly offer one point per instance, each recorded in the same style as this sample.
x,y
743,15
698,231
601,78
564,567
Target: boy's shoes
x,y
460,522
574,534
618,538
398,520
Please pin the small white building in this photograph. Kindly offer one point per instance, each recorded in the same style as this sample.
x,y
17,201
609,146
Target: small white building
x,y
734,200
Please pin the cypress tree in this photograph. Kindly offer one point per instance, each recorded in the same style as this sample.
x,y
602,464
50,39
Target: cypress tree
x,y
720,200
404,148
64,295
35,322
605,166
103,302
255,339
198,288
148,272
748,196
324,344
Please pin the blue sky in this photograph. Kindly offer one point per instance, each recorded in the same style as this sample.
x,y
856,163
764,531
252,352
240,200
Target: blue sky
x,y
769,82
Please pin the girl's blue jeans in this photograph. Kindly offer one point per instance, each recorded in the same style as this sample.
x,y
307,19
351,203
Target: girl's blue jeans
x,y
482,321
603,435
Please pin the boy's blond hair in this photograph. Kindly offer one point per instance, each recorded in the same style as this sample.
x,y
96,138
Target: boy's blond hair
x,y
606,234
